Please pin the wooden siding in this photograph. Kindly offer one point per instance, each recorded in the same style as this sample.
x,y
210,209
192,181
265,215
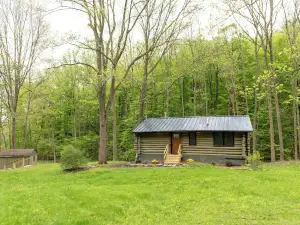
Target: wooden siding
x,y
152,143
155,143
7,162
205,145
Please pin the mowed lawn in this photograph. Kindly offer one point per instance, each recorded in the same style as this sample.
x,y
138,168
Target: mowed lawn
x,y
194,195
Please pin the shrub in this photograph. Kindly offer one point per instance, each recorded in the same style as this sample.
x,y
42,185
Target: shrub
x,y
128,156
154,161
190,161
254,161
72,158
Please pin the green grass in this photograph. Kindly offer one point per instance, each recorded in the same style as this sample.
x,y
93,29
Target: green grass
x,y
197,195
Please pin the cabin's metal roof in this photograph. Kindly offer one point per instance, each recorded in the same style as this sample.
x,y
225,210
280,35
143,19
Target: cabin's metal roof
x,y
17,152
199,123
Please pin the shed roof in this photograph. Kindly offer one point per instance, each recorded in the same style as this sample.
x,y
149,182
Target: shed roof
x,y
17,152
199,123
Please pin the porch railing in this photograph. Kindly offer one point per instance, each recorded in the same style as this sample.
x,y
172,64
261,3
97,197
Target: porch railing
x,y
166,152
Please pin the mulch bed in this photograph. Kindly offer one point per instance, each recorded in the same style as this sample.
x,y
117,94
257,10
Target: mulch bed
x,y
120,165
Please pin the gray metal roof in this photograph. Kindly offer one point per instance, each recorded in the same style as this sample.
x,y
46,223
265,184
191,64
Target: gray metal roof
x,y
17,152
200,123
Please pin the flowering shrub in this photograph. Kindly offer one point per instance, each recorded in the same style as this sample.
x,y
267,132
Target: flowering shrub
x,y
154,161
189,161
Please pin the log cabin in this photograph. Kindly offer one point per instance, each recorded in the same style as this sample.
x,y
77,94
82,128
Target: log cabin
x,y
218,139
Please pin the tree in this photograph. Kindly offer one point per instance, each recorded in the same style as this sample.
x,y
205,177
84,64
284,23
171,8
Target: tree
x,y
161,22
262,15
23,35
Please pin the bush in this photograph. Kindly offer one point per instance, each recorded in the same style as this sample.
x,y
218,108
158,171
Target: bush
x,y
254,161
128,156
72,158
154,161
190,161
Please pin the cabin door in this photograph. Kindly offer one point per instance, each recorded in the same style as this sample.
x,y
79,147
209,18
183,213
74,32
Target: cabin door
x,y
175,143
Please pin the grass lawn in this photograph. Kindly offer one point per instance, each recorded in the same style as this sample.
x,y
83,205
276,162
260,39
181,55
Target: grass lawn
x,y
195,195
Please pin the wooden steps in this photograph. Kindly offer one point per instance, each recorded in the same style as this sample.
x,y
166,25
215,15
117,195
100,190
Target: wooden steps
x,y
173,159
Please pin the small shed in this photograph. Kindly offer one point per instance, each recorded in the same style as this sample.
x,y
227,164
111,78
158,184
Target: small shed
x,y
203,138
15,158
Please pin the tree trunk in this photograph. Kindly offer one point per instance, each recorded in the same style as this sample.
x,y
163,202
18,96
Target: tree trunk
x,y
143,97
271,123
26,122
103,126
244,76
206,99
182,96
295,118
167,102
217,88
194,89
53,148
115,151
277,107
298,130
254,143
27,116
13,133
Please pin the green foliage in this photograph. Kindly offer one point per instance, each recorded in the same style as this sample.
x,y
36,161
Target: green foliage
x,y
72,158
254,161
200,76
44,149
128,156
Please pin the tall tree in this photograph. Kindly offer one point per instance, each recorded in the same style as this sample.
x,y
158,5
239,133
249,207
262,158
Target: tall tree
x,y
161,22
23,34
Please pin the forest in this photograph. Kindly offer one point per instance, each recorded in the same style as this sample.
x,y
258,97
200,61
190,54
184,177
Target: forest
x,y
148,59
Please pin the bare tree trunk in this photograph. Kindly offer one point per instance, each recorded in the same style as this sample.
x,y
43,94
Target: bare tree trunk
x,y
195,105
182,96
103,127
295,118
74,127
167,102
13,133
255,97
115,150
206,98
143,96
279,124
298,130
271,131
26,121
244,76
53,148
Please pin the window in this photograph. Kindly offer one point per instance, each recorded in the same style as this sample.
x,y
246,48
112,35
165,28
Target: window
x,y
224,138
193,138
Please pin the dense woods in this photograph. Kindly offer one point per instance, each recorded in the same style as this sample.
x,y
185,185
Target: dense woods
x,y
148,59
